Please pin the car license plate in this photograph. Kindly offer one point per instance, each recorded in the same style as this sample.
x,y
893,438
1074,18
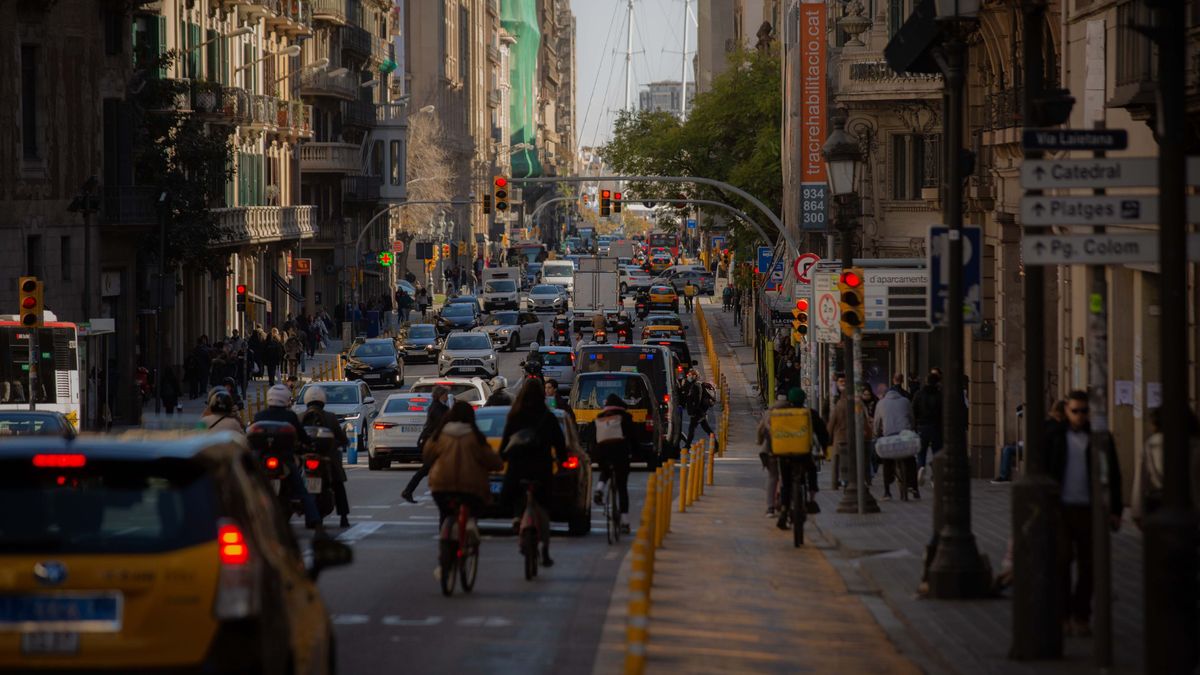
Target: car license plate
x,y
496,486
410,428
58,643
371,376
275,484
313,483
61,613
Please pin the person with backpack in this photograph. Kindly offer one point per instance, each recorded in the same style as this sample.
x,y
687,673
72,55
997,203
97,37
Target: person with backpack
x,y
615,438
317,416
927,411
690,291
781,465
698,397
532,440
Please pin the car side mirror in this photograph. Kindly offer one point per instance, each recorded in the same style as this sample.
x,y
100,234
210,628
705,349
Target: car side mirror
x,y
369,399
328,553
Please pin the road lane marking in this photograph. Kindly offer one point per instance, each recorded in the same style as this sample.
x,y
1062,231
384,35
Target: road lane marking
x,y
350,619
401,621
359,531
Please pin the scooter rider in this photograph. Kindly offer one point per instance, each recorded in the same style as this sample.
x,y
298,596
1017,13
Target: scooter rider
x,y
316,415
279,400
218,416
500,395
624,323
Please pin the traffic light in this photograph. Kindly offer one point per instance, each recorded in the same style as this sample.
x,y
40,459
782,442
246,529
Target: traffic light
x,y
850,288
31,302
385,259
616,205
241,297
500,193
445,251
800,316
487,204
605,202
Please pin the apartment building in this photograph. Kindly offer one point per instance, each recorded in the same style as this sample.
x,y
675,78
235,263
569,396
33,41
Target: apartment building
x,y
724,26
664,96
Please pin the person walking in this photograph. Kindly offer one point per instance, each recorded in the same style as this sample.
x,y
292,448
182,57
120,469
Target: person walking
x,y
894,414
433,417
1069,457
293,351
1148,471
737,306
927,411
169,388
697,399
273,355
841,424
422,299
727,298
404,304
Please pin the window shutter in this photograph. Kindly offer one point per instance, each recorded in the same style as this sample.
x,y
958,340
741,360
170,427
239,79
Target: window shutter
x,y
193,53
211,53
160,40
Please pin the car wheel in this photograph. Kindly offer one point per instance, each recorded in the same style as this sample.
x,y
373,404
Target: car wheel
x,y
374,464
580,524
516,342
541,338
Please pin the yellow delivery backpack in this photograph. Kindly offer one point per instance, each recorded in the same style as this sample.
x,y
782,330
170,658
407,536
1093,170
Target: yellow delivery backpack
x,y
791,431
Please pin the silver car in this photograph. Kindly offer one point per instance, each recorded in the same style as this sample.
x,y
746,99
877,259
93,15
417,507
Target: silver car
x,y
510,330
547,298
558,363
395,432
468,354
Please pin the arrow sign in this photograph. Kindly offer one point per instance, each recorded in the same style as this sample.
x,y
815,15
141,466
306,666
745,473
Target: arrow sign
x,y
1097,249
1097,173
1097,210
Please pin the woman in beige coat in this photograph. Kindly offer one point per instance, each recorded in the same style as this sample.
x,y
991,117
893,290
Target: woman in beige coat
x,y
460,458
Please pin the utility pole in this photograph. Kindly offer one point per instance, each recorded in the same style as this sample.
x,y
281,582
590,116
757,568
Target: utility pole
x,y
158,310
1036,625
1169,542
629,56
687,9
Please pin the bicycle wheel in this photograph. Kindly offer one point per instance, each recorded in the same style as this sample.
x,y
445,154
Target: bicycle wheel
x,y
447,561
799,505
468,567
608,524
529,549
614,517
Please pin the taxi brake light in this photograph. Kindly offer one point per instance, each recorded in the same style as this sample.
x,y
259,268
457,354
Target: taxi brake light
x,y
59,461
571,463
312,464
272,463
233,550
380,426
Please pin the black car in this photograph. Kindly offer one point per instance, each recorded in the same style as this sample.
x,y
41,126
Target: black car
x,y
375,361
457,316
420,342
35,423
683,355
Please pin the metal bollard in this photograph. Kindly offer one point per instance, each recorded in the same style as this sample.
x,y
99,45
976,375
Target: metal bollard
x,y
683,482
705,451
712,461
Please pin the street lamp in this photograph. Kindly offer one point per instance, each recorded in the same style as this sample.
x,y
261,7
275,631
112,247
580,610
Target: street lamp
x,y
293,50
843,159
236,32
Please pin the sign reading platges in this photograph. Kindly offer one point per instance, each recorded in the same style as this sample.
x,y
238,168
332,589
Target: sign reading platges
x,y
825,311
813,181
897,300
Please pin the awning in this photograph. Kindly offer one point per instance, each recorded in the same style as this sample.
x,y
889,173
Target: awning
x,y
909,49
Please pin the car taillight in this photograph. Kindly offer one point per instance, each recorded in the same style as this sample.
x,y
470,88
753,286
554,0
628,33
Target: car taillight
x,y
666,399
312,464
238,594
272,463
59,461
649,426
380,426
571,463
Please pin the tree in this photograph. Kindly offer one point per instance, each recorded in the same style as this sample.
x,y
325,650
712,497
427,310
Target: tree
x,y
732,135
428,171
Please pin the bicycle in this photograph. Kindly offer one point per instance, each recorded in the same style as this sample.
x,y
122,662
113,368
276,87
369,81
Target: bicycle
x,y
796,512
458,550
529,532
612,511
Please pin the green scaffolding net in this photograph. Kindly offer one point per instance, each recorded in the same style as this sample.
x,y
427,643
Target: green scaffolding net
x,y
519,18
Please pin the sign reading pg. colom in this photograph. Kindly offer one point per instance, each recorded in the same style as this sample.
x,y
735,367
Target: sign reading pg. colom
x,y
813,182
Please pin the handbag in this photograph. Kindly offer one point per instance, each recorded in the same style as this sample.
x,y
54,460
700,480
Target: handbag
x,y
898,446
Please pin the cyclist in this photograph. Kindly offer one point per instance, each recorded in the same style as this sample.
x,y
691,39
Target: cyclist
x,y
784,465
218,416
697,400
531,439
459,459
279,400
616,436
689,294
316,415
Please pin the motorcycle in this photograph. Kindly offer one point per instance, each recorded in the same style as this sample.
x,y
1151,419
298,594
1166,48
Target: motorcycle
x,y
318,469
600,336
561,332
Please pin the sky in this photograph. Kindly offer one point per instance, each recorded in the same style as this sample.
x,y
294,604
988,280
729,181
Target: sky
x,y
600,69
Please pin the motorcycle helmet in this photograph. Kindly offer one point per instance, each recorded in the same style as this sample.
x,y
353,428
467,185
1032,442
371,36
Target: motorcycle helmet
x,y
279,396
315,395
533,347
220,402
499,383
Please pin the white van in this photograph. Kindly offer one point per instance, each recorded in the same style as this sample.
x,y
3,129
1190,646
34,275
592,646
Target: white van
x,y
559,273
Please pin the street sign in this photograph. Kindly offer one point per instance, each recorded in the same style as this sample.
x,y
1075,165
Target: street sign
x,y
718,241
939,274
1089,210
1075,139
897,300
691,223
827,312
1089,173
804,265
1097,249
397,246
301,267
775,282
764,259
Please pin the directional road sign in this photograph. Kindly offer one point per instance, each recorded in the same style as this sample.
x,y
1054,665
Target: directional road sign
x,y
718,241
1045,174
691,223
1097,249
939,274
804,265
1075,139
775,282
897,300
1089,210
826,314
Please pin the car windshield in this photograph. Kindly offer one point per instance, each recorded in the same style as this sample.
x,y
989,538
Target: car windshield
x,y
557,358
502,319
468,341
407,404
461,391
491,423
458,309
500,286
381,348
422,331
661,290
105,506
594,391
29,424
544,289
663,320
342,394
560,269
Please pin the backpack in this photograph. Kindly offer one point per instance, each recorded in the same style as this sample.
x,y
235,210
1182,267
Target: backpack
x,y
791,431
708,395
524,438
608,429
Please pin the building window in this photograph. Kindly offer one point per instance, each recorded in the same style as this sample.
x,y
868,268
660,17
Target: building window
x,y
33,255
29,104
377,159
464,45
897,13
395,160
114,32
1135,51
64,257
916,164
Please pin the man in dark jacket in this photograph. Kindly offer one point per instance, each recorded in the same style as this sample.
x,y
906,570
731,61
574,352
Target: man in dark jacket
x,y
697,402
279,401
927,410
316,415
1068,456
433,417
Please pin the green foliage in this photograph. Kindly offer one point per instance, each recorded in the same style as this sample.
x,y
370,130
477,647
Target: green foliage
x,y
732,134
190,160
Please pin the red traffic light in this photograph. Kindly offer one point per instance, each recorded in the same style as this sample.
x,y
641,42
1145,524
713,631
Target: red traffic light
x,y
851,279
802,304
501,181
617,196
241,289
605,194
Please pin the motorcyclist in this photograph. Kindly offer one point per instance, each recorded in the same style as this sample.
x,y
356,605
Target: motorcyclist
x,y
533,362
624,323
317,416
279,400
500,395
598,322
219,414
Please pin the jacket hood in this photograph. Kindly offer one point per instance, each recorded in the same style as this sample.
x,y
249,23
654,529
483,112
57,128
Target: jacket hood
x,y
456,429
893,394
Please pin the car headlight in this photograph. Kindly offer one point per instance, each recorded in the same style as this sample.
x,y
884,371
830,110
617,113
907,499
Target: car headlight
x,y
490,357
444,357
504,331
351,416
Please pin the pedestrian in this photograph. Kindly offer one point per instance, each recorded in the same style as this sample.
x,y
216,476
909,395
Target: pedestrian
x,y
433,417
927,410
216,364
202,355
386,315
256,343
841,425
404,303
169,389
1068,455
1148,471
219,413
737,306
698,398
422,299
273,355
894,414
293,352
727,298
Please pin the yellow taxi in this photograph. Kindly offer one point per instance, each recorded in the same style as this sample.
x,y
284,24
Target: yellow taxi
x,y
663,297
157,554
659,263
592,389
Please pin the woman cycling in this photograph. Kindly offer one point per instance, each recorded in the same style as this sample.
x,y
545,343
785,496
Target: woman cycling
x,y
459,459
531,438
616,437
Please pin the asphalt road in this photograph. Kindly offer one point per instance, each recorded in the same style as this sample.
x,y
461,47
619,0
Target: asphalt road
x,y
390,615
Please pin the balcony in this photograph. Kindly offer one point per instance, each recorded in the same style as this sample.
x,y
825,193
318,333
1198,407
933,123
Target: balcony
x,y
1002,109
129,205
330,158
356,41
295,119
264,112
359,114
292,18
333,11
321,83
391,115
264,224
361,188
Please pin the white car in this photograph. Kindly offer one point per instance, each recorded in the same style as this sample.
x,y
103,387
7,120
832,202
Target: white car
x,y
559,273
468,354
547,298
353,404
500,294
397,428
633,277
510,330
473,390
558,363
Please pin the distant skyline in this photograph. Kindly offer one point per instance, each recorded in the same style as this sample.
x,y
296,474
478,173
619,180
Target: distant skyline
x,y
600,69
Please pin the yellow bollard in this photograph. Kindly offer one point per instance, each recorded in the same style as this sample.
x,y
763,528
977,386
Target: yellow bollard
x,y
667,471
683,462
704,452
697,458
712,460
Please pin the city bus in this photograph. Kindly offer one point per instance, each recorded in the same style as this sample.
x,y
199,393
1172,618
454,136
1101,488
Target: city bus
x,y
58,383
667,240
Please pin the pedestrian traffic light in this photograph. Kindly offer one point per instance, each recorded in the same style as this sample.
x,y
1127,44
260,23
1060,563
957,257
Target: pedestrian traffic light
x,y
241,297
487,204
616,205
385,259
500,193
31,302
445,250
850,288
605,202
800,314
